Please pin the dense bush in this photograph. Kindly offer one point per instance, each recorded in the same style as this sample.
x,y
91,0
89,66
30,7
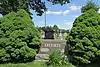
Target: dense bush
x,y
84,38
58,59
18,37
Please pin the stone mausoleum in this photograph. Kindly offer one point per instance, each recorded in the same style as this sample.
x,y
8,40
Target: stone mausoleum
x,y
49,33
49,43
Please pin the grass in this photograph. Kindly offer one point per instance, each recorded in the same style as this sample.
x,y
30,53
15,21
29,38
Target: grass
x,y
31,64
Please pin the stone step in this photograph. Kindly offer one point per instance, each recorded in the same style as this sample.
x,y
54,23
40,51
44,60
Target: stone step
x,y
42,57
44,50
48,50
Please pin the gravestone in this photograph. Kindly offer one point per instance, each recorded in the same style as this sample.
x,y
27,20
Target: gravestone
x,y
49,45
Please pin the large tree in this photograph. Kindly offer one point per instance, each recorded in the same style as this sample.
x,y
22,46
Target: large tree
x,y
7,6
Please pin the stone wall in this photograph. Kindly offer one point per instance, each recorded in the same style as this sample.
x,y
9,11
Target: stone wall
x,y
49,45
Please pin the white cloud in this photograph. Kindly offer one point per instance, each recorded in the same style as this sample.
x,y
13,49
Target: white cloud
x,y
99,11
58,12
0,15
72,8
54,12
69,24
66,12
75,8
76,16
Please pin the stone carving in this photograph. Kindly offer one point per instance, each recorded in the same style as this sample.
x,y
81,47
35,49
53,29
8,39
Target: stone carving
x,y
51,45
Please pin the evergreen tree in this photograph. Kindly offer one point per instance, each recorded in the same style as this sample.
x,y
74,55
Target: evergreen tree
x,y
84,38
90,4
19,39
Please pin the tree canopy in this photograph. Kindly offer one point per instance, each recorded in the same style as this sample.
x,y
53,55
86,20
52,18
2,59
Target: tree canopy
x,y
90,4
39,6
56,29
19,39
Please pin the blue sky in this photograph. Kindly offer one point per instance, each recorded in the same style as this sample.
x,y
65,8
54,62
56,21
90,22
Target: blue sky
x,y
63,16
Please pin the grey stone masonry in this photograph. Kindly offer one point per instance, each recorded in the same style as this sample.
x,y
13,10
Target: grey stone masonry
x,y
47,46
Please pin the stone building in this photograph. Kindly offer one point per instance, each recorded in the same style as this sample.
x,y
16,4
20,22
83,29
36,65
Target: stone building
x,y
49,33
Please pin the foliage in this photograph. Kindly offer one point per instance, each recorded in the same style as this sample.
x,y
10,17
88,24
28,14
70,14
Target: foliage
x,y
31,64
56,58
59,1
7,6
90,4
64,31
58,33
47,28
18,37
55,28
84,38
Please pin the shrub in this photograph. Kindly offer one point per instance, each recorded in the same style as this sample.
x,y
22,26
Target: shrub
x,y
57,59
18,37
84,38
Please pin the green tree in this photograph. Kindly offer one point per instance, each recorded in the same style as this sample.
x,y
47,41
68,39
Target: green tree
x,y
56,29
90,4
84,38
19,39
7,6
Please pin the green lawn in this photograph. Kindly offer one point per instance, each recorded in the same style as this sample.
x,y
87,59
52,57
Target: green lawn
x,y
31,64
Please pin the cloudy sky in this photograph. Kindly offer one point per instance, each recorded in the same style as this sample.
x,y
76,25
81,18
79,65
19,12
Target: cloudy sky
x,y
63,16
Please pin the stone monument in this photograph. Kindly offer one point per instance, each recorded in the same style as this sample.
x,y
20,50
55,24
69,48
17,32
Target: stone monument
x,y
49,32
